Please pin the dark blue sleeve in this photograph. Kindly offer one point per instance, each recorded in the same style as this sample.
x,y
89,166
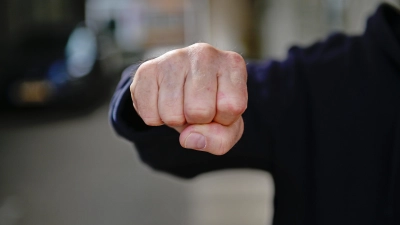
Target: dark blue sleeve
x,y
325,122
298,108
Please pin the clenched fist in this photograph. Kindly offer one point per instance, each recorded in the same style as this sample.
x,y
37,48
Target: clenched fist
x,y
199,91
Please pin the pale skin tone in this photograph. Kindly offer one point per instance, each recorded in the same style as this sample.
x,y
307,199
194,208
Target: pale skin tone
x,y
199,91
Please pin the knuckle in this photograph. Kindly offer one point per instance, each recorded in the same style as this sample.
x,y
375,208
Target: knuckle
x,y
203,46
172,64
203,51
146,69
199,115
171,57
228,105
235,57
174,121
151,121
235,60
178,54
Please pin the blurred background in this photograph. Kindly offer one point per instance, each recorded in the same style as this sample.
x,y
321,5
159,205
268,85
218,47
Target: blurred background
x,y
60,60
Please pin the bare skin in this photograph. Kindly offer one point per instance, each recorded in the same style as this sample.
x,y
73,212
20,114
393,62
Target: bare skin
x,y
199,91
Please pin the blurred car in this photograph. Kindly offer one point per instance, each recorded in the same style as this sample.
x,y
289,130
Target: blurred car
x,y
52,67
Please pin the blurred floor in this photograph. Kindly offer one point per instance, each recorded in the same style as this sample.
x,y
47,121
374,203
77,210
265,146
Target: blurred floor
x,y
76,171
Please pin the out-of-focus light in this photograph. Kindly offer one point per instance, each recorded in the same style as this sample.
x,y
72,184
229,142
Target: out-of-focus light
x,y
34,92
81,52
58,72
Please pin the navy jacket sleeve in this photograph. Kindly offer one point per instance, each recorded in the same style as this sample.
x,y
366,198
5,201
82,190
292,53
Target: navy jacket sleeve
x,y
307,80
325,122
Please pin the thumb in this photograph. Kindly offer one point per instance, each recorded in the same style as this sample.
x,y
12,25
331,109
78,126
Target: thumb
x,y
214,138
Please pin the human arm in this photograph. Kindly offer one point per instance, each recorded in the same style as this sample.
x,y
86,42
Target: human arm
x,y
159,146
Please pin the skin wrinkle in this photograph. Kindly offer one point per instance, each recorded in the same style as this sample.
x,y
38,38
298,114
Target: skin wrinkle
x,y
144,116
145,74
174,95
200,54
237,64
205,86
237,80
160,65
229,105
220,147
197,75
186,116
165,62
